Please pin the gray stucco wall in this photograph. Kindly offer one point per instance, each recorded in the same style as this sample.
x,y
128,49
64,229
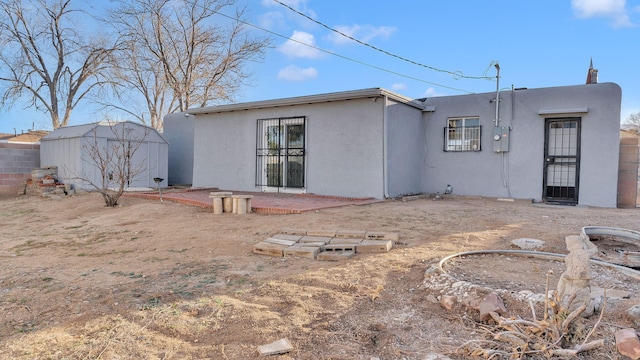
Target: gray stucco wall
x,y
405,149
178,130
367,147
343,147
518,173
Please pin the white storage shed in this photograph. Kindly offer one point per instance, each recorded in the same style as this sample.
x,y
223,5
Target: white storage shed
x,y
69,149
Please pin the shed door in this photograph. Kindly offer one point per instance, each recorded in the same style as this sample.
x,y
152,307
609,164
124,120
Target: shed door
x,y
134,161
562,160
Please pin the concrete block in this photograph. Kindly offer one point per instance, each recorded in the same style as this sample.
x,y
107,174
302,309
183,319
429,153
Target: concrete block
x,y
325,233
227,204
220,194
375,235
345,241
316,244
308,239
631,141
339,247
381,235
309,252
217,205
280,241
628,157
287,237
269,249
241,204
335,255
374,246
350,234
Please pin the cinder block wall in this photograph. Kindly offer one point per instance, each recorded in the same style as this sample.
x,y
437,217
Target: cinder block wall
x,y
628,172
16,163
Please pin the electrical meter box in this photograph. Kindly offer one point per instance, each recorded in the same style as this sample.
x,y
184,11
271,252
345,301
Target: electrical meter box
x,y
501,138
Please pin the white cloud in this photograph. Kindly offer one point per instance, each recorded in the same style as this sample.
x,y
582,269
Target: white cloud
x,y
364,33
300,5
271,20
295,47
294,73
398,86
431,92
611,9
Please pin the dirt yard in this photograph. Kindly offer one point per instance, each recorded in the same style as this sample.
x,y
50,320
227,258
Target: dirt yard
x,y
161,280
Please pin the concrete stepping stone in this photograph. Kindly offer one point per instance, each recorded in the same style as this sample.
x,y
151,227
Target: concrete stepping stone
x,y
345,241
350,234
269,249
310,252
335,255
287,237
280,241
374,246
326,233
315,239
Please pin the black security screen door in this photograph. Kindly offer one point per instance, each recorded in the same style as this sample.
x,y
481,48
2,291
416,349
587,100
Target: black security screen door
x,y
280,152
562,160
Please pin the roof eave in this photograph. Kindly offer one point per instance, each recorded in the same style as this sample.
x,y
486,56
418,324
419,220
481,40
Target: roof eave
x,y
309,99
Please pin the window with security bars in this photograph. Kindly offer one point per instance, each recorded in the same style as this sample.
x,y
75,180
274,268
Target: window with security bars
x,y
462,134
280,152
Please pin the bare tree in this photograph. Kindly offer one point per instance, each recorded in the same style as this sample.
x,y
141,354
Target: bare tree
x,y
112,159
632,122
176,55
45,60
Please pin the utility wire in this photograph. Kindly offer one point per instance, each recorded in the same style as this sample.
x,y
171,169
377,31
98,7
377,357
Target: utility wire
x,y
455,74
342,56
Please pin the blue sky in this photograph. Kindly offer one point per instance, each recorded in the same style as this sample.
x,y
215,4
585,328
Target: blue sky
x,y
538,44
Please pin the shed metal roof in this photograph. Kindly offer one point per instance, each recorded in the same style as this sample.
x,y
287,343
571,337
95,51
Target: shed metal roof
x,y
69,132
76,131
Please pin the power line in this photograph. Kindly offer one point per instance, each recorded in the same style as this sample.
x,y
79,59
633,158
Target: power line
x,y
455,74
342,56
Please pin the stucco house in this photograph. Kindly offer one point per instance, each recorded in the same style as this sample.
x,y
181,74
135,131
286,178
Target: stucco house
x,y
558,144
69,149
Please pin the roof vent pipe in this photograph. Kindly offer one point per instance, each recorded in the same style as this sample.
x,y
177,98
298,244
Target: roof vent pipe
x,y
497,120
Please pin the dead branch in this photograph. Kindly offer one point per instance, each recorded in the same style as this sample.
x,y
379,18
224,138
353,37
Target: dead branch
x,y
521,338
514,338
574,314
578,348
546,296
512,324
533,311
604,306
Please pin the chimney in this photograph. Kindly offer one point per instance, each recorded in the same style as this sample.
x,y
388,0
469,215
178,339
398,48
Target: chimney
x,y
592,74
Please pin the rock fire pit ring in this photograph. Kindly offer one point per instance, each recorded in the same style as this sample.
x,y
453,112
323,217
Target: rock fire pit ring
x,y
616,245
539,255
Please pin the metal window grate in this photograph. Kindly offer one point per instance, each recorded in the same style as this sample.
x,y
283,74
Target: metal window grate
x,y
463,138
280,152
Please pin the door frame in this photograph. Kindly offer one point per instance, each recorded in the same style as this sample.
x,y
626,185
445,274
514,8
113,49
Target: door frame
x,y
562,194
274,154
